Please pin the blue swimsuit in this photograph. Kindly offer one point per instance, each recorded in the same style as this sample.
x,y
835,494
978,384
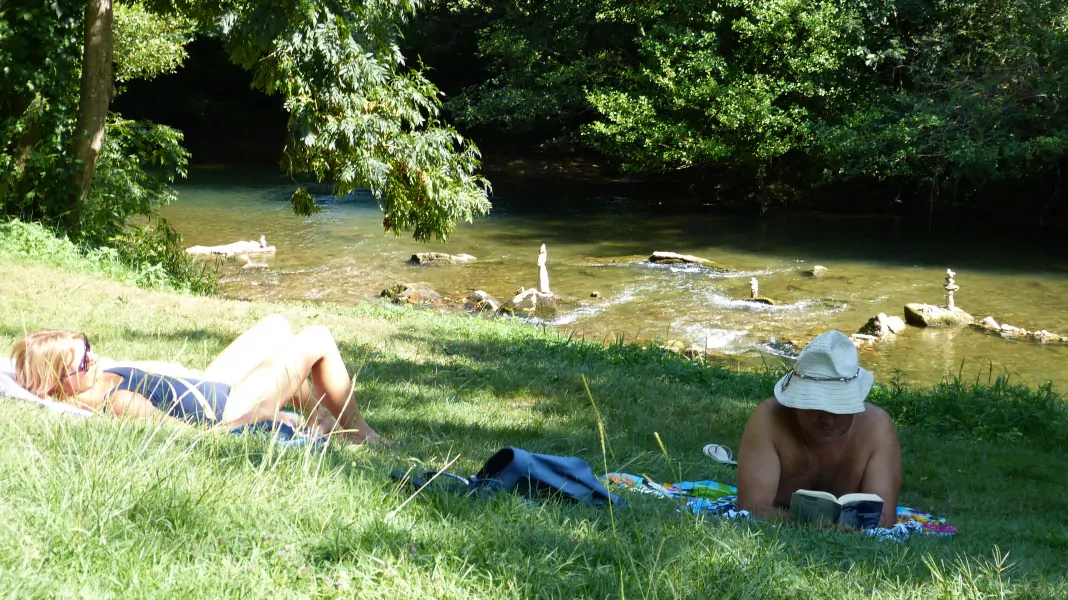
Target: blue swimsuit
x,y
178,397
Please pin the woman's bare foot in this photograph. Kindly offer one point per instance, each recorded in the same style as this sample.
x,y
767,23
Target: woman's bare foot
x,y
373,439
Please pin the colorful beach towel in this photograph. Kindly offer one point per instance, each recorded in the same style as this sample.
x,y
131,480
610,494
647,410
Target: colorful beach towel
x,y
720,499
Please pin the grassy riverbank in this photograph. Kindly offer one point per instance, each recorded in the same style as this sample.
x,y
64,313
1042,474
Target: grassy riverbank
x,y
102,508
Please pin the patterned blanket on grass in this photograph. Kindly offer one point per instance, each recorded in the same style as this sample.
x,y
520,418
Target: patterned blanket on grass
x,y
710,497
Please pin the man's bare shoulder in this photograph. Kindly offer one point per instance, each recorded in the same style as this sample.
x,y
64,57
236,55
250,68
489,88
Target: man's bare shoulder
x,y
769,415
766,411
877,423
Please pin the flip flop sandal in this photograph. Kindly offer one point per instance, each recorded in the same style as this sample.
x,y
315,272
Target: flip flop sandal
x,y
721,454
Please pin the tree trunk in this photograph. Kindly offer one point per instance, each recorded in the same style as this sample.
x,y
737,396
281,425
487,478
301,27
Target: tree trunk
x,y
93,101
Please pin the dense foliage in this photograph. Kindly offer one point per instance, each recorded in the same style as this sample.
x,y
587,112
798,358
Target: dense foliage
x,y
934,103
358,116
934,100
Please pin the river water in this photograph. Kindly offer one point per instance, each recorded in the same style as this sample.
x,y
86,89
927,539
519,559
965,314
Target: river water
x,y
599,237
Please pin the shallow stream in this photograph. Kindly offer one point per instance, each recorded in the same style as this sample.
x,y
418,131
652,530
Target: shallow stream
x,y
599,237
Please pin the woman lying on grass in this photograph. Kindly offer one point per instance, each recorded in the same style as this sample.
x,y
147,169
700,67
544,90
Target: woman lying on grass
x,y
263,370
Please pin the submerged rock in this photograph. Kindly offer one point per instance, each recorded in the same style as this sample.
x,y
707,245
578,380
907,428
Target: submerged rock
x,y
672,258
760,300
882,326
439,258
927,315
816,271
412,293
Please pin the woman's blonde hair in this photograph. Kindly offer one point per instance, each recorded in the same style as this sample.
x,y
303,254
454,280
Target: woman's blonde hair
x,y
41,359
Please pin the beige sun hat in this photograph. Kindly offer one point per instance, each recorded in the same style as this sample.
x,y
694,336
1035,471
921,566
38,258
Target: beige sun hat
x,y
826,376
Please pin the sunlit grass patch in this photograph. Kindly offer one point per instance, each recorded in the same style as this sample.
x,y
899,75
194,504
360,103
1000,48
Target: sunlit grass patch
x,y
105,508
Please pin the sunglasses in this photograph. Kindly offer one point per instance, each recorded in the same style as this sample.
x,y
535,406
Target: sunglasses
x,y
83,367
792,374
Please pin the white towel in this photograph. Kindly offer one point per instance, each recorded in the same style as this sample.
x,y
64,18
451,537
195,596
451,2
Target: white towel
x,y
10,388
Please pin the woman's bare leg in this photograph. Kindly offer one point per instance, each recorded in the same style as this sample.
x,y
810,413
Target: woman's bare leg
x,y
249,350
281,377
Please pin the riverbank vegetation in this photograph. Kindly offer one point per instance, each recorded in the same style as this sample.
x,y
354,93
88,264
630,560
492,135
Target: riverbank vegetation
x,y
102,507
921,106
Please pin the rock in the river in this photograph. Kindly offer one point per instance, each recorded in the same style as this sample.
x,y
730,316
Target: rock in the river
x,y
595,294
1005,330
531,302
760,300
234,249
816,271
861,340
412,293
252,264
439,258
1047,336
674,346
481,300
882,326
670,258
927,315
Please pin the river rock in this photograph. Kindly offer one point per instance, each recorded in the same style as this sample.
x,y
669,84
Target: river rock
x,y
816,271
1046,336
882,326
760,300
672,258
412,293
927,315
861,340
234,249
595,294
439,258
252,264
786,349
531,302
990,323
481,300
673,346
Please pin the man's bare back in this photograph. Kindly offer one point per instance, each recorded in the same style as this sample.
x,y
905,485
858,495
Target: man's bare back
x,y
786,449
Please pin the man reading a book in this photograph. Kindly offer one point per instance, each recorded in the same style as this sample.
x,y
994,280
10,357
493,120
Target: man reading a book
x,y
817,433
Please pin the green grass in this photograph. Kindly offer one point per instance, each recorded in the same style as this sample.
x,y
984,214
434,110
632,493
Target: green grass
x,y
101,508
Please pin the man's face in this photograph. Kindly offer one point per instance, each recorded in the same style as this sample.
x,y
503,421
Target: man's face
x,y
821,426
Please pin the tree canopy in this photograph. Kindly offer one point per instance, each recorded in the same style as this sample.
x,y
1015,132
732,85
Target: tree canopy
x,y
359,117
932,101
940,98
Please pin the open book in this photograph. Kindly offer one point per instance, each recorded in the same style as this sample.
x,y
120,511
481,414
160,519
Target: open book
x,y
859,511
